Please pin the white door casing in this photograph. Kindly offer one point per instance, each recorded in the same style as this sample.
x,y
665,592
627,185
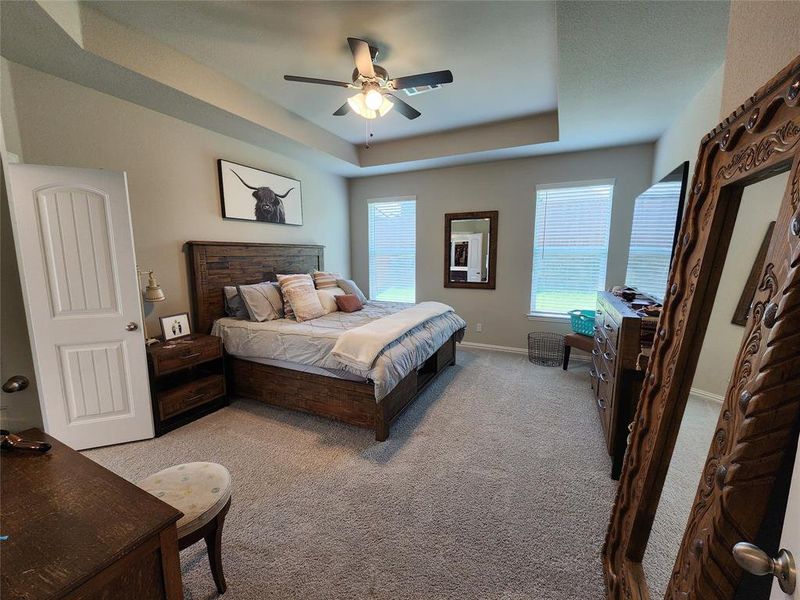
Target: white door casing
x,y
74,242
790,536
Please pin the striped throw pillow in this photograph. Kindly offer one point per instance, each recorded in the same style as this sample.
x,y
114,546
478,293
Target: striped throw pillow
x,y
300,298
323,280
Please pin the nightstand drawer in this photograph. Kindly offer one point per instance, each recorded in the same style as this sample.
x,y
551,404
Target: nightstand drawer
x,y
176,400
167,360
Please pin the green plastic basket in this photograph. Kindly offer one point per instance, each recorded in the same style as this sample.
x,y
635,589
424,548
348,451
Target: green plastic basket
x,y
582,321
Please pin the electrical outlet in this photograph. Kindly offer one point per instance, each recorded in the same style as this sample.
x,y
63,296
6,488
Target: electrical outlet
x,y
479,327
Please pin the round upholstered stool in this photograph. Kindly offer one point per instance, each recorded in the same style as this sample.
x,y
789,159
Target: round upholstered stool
x,y
202,492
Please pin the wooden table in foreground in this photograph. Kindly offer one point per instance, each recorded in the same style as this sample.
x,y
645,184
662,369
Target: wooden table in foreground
x,y
77,530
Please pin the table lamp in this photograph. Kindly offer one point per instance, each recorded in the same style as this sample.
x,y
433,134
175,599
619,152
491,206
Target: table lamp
x,y
152,293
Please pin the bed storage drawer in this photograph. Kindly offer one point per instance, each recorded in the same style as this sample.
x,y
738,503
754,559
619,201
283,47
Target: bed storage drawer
x,y
179,399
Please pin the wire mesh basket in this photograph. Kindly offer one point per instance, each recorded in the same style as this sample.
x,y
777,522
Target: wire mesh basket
x,y
546,349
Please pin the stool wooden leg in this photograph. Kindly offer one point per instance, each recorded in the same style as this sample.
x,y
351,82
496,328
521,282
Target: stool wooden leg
x,y
566,356
214,544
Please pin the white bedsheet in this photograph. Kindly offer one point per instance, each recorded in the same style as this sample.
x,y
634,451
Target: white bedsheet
x,y
311,342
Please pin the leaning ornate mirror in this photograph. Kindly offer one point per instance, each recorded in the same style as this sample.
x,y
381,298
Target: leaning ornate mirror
x,y
470,249
681,506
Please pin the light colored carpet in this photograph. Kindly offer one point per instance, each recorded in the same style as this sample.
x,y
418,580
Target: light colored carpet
x,y
494,484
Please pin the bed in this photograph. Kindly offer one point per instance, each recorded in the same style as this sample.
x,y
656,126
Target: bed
x,y
310,382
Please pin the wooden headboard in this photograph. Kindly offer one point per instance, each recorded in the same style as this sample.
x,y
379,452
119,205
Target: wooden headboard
x,y
213,265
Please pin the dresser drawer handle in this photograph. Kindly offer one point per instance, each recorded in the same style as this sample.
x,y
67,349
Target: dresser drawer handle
x,y
599,340
595,352
608,357
607,326
592,373
603,378
601,403
193,398
187,356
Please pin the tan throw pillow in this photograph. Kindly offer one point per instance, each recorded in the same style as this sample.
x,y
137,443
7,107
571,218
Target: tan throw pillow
x,y
327,298
348,303
262,300
301,295
323,279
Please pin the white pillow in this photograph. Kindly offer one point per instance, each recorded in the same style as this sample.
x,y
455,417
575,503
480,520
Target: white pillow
x,y
262,300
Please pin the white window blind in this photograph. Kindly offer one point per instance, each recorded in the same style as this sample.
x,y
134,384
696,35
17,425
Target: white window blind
x,y
654,221
570,246
393,250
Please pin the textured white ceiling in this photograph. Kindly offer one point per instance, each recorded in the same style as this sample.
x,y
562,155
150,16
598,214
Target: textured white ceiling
x,y
503,54
627,69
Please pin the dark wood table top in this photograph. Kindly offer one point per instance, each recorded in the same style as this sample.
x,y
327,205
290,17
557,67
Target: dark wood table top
x,y
66,519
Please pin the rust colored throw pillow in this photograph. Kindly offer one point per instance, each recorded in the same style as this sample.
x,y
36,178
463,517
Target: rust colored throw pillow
x,y
348,303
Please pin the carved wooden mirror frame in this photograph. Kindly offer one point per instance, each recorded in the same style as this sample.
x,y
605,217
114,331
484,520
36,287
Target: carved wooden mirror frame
x,y
759,418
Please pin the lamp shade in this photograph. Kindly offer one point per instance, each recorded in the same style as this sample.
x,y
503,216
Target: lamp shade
x,y
153,291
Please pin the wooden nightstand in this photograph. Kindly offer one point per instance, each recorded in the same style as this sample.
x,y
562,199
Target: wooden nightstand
x,y
187,380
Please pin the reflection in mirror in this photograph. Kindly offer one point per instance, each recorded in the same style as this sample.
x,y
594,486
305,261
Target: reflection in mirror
x,y
758,208
469,250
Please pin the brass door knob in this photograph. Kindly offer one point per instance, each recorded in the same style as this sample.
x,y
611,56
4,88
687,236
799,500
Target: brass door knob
x,y
754,560
17,383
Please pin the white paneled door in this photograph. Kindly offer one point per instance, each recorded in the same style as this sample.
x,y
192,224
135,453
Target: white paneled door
x,y
790,538
72,230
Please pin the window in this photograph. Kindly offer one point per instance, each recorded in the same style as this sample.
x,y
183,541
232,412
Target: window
x,y
393,250
570,246
653,233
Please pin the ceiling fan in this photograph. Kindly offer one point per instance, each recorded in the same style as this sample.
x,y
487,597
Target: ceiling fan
x,y
374,97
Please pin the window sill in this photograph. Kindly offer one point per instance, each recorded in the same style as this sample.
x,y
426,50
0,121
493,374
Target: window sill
x,y
547,317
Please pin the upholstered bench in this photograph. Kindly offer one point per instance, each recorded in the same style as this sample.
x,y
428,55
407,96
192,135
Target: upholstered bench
x,y
576,340
202,492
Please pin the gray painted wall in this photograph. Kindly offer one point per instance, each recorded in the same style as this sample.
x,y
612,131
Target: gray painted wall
x,y
172,177
509,187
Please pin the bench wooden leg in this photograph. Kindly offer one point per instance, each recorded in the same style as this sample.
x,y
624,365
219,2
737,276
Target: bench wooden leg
x,y
213,539
566,356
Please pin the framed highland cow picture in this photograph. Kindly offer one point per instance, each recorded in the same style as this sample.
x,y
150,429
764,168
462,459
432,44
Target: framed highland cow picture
x,y
250,194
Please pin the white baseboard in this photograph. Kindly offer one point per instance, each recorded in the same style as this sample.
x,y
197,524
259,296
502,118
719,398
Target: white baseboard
x,y
493,347
580,356
707,395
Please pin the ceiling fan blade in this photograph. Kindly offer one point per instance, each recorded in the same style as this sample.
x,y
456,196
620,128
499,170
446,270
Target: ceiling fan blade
x,y
408,111
435,78
343,84
362,56
342,110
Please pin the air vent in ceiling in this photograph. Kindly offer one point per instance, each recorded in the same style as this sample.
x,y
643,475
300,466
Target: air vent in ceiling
x,y
415,91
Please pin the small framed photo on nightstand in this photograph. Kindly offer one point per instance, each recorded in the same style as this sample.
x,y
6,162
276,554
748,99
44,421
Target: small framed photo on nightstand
x,y
175,326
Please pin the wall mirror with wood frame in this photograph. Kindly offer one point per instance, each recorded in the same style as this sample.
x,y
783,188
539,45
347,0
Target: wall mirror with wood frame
x,y
702,474
470,249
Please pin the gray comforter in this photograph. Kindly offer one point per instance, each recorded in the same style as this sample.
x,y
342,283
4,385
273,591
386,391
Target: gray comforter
x,y
310,342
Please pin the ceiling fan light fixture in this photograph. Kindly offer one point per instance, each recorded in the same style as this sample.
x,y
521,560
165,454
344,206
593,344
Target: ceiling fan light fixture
x,y
360,107
373,99
386,106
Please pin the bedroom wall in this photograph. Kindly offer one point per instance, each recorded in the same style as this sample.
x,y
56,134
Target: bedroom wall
x,y
20,410
509,187
762,39
172,177
681,140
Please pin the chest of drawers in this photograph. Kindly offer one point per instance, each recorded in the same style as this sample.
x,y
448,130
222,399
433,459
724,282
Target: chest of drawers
x,y
615,381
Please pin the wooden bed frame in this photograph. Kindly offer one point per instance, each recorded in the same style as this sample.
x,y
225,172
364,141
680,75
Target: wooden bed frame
x,y
213,265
